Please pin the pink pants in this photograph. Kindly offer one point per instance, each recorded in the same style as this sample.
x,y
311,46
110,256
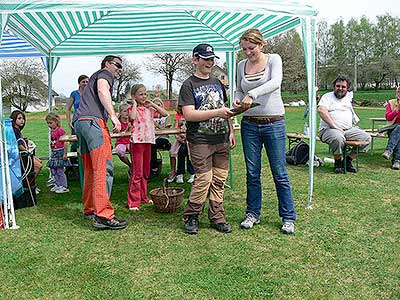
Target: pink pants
x,y
140,171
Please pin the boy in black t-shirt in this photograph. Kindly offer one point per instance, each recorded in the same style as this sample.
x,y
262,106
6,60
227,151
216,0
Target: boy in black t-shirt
x,y
209,129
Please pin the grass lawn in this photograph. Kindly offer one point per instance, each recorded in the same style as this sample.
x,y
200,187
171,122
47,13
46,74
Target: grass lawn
x,y
347,247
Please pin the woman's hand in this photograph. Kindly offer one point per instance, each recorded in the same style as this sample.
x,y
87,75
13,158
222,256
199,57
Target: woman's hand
x,y
65,156
247,101
236,103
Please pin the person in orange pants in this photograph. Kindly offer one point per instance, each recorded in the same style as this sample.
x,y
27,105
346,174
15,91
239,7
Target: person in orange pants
x,y
95,144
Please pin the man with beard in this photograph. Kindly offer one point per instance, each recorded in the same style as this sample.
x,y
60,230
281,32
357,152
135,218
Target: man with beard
x,y
337,123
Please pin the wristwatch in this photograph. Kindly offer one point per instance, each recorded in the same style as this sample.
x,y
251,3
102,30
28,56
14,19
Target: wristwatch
x,y
251,96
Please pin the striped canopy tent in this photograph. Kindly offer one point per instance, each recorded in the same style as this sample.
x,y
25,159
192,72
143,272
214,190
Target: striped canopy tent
x,y
61,28
13,46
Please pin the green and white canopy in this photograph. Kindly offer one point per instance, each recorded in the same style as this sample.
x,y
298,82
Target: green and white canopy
x,y
62,28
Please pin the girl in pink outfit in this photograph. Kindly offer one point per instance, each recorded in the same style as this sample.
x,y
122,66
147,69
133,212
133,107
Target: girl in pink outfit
x,y
143,135
58,159
122,143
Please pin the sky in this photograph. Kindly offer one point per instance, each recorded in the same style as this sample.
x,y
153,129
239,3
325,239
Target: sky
x,y
68,70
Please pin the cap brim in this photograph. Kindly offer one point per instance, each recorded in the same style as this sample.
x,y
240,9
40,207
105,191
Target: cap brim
x,y
207,56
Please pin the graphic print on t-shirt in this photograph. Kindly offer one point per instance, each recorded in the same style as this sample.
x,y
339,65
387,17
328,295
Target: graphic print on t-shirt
x,y
209,97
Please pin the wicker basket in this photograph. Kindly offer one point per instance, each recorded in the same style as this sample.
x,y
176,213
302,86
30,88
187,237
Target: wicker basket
x,y
167,199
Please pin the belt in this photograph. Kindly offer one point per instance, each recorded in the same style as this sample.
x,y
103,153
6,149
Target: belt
x,y
263,120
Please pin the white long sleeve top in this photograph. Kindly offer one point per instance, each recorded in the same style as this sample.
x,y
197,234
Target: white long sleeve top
x,y
266,90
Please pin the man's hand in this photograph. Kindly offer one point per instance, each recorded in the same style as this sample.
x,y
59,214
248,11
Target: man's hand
x,y
116,124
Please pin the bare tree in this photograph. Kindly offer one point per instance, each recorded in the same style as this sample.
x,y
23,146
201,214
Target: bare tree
x,y
22,82
123,83
170,65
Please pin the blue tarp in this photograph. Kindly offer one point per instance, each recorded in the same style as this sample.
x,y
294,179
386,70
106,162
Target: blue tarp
x,y
13,161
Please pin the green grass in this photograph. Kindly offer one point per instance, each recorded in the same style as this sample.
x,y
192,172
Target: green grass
x,y
345,248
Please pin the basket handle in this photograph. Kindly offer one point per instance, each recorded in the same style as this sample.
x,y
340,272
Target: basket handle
x,y
165,185
164,190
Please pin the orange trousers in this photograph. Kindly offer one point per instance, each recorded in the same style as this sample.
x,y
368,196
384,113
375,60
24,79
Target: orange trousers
x,y
95,148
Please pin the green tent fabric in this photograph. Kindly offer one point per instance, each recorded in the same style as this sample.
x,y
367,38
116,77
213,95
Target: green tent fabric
x,y
61,28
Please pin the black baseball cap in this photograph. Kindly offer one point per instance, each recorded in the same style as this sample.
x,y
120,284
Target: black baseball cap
x,y
204,51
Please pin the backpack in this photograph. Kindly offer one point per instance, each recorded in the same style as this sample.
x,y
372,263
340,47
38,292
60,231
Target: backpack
x,y
298,154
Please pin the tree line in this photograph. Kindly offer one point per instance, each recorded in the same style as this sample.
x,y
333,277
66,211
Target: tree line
x,y
364,50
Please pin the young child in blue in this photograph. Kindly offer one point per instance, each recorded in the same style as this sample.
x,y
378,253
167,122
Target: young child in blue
x,y
58,159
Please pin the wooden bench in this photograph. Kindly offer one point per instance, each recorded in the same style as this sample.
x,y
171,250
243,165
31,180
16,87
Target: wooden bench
x,y
296,137
374,134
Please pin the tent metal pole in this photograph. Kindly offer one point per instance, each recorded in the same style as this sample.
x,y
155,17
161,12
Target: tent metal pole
x,y
308,33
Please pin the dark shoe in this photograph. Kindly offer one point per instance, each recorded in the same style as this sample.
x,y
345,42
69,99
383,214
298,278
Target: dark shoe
x,y
349,166
222,227
88,217
192,224
113,224
338,167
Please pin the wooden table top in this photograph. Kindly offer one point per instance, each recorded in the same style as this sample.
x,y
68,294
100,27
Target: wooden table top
x,y
378,119
73,138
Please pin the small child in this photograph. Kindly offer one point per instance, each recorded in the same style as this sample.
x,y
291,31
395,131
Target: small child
x,y
179,150
183,157
58,159
179,121
143,136
122,143
162,141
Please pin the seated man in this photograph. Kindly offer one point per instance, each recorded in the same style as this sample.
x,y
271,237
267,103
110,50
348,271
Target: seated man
x,y
337,119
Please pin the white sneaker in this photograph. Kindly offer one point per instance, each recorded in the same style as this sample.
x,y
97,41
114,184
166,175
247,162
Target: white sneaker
x,y
249,221
179,178
62,190
54,188
37,190
191,179
50,182
287,228
171,178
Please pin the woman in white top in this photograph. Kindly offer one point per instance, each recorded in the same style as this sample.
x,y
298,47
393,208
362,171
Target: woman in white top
x,y
259,79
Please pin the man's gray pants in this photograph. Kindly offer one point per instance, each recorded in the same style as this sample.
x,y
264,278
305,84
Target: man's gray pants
x,y
336,139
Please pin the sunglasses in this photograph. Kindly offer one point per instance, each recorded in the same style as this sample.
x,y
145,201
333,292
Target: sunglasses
x,y
117,64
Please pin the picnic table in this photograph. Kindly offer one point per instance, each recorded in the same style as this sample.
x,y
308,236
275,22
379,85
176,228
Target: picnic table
x,y
166,131
73,138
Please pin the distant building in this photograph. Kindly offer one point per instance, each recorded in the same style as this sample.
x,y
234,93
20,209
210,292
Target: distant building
x,y
221,74
35,106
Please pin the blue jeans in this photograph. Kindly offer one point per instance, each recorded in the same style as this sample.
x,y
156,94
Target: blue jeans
x,y
183,155
273,137
394,143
